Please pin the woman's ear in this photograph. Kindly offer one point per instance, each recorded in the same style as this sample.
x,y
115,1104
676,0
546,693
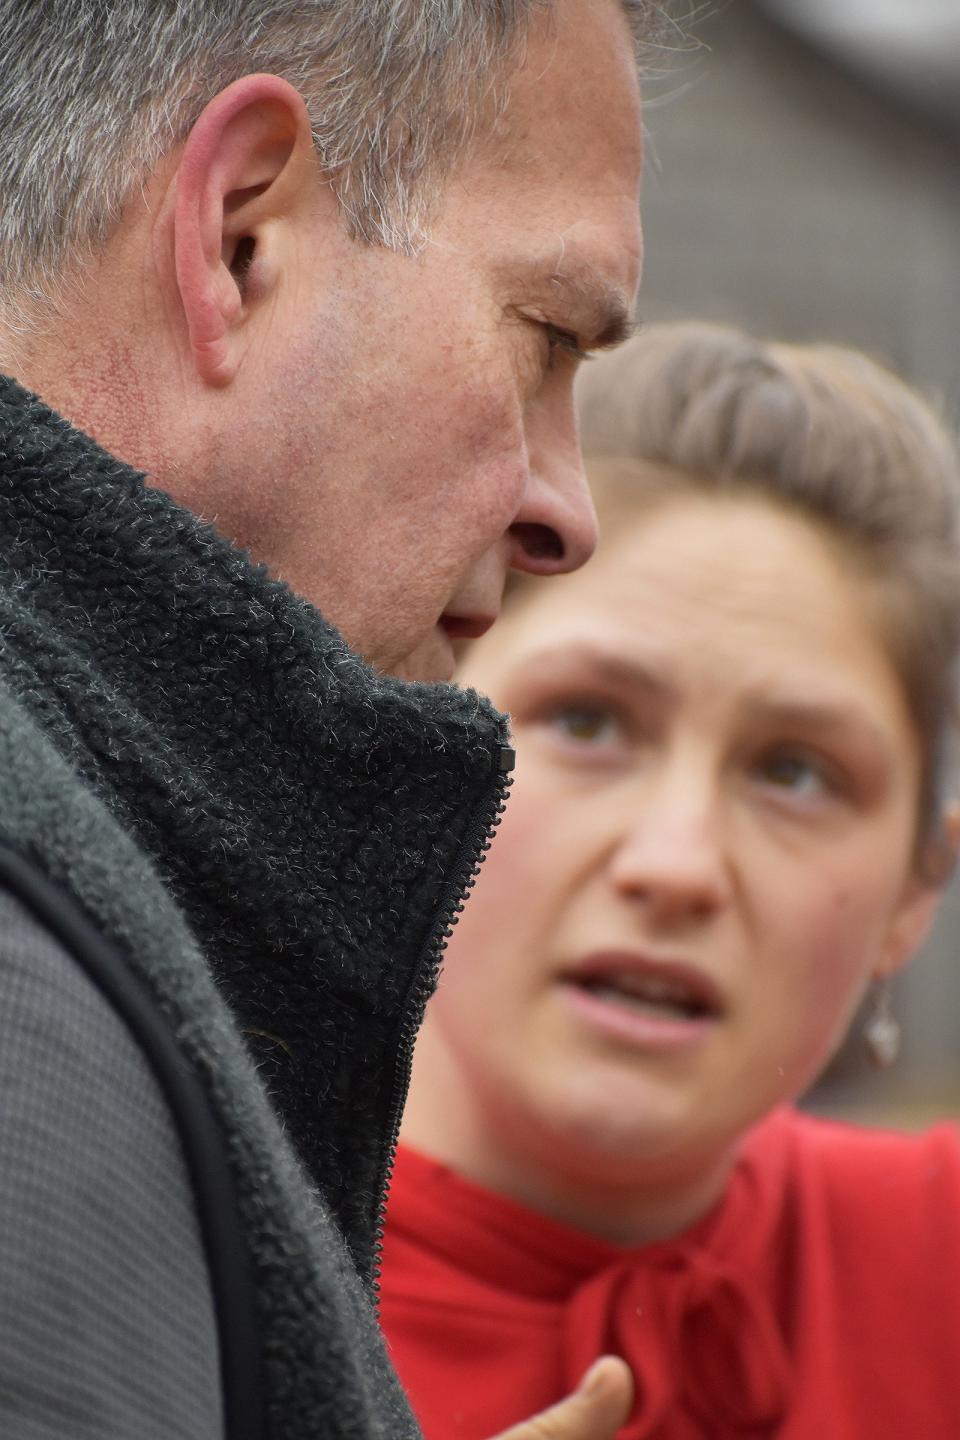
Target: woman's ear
x,y
241,169
944,860
913,920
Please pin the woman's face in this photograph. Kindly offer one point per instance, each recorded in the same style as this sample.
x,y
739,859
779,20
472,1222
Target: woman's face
x,y
705,857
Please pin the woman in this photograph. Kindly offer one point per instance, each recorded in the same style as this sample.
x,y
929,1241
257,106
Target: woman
x,y
731,816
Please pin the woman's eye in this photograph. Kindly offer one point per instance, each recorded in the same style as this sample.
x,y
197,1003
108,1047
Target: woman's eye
x,y
585,724
794,773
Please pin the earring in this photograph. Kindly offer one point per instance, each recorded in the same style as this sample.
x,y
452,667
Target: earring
x,y
881,1034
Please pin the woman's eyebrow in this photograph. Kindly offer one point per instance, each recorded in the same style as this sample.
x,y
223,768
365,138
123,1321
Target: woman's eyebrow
x,y
839,718
605,665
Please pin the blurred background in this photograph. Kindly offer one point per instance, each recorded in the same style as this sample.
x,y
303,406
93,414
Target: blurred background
x,y
803,180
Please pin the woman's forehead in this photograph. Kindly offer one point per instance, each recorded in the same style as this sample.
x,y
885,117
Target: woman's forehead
x,y
733,592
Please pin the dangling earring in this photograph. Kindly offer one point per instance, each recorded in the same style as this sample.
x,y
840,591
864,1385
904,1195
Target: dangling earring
x,y
881,1034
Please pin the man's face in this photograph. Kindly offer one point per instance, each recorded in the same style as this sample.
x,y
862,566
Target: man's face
x,y
403,429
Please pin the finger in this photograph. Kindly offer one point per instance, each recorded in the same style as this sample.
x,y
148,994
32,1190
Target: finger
x,y
595,1411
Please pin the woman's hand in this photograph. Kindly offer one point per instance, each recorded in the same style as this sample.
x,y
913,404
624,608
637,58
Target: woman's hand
x,y
595,1411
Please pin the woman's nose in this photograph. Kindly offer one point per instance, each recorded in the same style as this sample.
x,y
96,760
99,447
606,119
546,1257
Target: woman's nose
x,y
672,855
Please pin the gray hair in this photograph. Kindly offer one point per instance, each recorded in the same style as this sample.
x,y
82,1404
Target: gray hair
x,y
827,432
94,92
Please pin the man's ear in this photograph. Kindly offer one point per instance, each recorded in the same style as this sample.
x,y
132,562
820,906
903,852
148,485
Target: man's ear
x,y
242,167
920,901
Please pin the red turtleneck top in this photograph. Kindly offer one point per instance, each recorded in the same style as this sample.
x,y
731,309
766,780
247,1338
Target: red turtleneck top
x,y
819,1301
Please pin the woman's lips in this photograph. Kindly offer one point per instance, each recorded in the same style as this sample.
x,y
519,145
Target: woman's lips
x,y
649,1003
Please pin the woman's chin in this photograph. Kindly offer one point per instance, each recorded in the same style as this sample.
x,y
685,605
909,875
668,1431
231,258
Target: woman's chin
x,y
619,1129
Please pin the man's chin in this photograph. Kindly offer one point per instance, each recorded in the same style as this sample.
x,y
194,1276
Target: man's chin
x,y
432,660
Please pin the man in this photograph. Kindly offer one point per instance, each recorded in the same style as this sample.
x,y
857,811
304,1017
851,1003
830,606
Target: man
x,y
323,273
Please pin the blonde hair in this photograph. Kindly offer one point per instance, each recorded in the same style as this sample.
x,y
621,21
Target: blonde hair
x,y
835,437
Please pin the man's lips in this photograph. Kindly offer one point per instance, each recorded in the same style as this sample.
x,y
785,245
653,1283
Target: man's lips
x,y
466,627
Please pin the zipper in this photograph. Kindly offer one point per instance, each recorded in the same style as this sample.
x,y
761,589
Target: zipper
x,y
472,853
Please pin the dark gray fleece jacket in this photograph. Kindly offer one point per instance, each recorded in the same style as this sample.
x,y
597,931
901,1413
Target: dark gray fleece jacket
x,y
229,856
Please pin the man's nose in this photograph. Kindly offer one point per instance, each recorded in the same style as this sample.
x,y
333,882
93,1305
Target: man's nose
x,y
555,528
672,856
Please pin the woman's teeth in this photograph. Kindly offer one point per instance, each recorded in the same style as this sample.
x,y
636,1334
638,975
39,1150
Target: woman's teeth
x,y
648,994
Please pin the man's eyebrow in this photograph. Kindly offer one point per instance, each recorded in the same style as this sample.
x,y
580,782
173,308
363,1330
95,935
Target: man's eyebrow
x,y
603,313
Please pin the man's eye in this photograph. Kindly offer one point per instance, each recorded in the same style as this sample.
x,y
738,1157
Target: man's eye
x,y
566,342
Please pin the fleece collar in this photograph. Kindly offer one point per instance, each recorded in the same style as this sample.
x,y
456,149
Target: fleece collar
x,y
317,823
